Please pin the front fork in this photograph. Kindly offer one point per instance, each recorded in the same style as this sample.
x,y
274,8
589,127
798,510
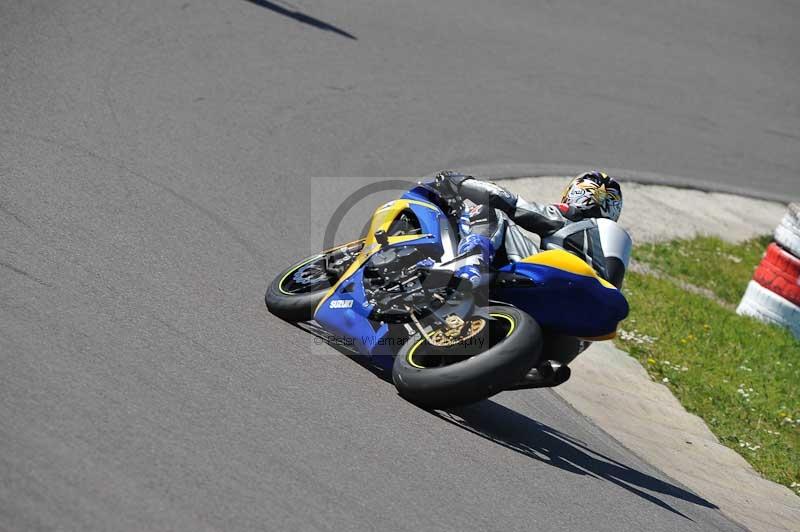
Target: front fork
x,y
337,261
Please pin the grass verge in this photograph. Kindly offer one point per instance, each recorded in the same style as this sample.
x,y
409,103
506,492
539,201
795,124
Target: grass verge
x,y
741,376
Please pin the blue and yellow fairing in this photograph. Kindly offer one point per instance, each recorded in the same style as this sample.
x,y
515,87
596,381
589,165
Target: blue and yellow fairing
x,y
564,294
344,309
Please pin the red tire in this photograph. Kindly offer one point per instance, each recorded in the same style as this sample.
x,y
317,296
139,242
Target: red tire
x,y
779,272
782,260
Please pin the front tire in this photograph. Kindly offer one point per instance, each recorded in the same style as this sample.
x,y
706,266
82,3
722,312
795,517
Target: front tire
x,y
295,293
512,346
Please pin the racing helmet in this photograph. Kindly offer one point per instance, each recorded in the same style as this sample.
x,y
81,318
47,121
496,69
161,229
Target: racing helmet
x,y
596,194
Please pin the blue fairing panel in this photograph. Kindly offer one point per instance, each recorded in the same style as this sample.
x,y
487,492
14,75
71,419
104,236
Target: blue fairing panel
x,y
421,194
344,314
565,302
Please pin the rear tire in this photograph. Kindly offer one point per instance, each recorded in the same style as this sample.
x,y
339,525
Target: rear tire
x,y
514,347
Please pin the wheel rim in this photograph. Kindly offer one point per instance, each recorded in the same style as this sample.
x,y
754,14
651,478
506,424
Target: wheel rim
x,y
306,277
311,274
458,330
423,355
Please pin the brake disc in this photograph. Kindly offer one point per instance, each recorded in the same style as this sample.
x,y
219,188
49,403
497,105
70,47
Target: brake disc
x,y
311,274
456,331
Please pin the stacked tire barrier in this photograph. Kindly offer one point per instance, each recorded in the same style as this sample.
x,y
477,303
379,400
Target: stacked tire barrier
x,y
774,293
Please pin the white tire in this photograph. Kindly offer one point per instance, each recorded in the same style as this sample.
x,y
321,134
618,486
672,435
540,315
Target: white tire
x,y
787,235
794,213
766,306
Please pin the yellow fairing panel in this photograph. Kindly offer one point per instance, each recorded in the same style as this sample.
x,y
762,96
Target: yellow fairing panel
x,y
564,260
383,217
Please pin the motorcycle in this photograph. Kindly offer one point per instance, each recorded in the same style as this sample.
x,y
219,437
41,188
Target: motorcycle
x,y
445,342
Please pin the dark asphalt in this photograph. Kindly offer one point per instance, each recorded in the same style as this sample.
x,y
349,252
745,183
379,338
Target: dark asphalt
x,y
154,176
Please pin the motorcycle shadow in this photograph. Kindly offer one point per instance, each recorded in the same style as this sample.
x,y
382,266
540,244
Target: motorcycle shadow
x,y
538,441
519,433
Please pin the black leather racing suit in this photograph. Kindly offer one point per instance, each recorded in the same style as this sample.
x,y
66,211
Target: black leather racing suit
x,y
491,222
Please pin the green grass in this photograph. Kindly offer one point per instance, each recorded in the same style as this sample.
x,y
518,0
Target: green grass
x,y
741,376
709,262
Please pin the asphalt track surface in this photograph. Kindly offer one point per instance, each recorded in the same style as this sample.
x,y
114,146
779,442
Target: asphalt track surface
x,y
154,176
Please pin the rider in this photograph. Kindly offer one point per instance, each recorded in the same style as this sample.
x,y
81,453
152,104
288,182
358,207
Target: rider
x,y
491,216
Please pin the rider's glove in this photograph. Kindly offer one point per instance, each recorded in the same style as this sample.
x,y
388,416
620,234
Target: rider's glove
x,y
472,273
448,182
578,212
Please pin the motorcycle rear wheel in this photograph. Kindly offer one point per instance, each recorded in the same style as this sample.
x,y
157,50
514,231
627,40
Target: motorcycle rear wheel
x,y
441,377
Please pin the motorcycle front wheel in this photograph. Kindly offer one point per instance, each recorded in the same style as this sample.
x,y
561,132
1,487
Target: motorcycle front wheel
x,y
295,293
507,347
